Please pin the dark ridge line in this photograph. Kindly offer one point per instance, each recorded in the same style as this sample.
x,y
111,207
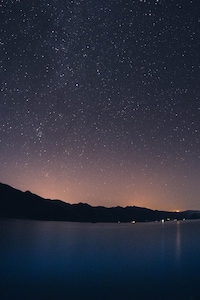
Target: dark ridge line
x,y
26,205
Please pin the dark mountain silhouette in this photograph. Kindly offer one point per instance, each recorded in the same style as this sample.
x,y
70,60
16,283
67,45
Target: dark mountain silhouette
x,y
25,205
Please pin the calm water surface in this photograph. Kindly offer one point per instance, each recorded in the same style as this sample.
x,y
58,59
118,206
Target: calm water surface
x,y
58,260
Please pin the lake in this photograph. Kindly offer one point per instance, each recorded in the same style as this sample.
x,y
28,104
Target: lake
x,y
62,260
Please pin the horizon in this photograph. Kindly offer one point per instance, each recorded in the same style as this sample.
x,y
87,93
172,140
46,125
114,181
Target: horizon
x,y
57,199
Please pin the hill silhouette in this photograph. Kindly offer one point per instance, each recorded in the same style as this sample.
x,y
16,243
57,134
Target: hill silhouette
x,y
25,205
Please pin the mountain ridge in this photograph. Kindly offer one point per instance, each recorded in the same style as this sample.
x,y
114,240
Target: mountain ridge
x,y
26,205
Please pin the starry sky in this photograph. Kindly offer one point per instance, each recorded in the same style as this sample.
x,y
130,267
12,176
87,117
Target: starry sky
x,y
100,101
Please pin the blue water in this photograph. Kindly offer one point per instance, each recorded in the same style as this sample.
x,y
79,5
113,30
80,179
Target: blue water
x,y
58,260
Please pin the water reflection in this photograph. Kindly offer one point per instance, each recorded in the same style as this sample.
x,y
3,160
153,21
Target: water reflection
x,y
57,260
178,240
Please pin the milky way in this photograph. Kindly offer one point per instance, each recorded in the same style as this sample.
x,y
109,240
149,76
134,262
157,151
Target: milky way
x,y
100,101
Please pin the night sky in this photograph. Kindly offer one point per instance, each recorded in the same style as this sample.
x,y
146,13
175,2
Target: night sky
x,y
100,101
